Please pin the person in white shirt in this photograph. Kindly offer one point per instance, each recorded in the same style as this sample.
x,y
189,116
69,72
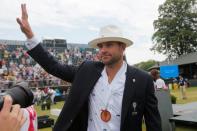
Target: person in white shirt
x,y
158,82
52,95
31,123
106,95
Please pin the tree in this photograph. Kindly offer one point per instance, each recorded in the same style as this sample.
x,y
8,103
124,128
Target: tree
x,y
176,28
146,65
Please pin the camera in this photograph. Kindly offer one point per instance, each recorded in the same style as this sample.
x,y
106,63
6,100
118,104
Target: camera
x,y
20,94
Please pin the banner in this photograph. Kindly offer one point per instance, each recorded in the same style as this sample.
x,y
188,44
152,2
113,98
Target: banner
x,y
169,71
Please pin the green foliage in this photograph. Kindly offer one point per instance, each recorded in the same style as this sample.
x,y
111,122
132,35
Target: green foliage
x,y
146,65
176,28
173,99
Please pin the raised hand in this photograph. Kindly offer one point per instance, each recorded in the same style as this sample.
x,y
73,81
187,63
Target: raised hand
x,y
24,24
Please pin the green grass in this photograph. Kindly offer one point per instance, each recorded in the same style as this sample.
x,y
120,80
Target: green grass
x,y
191,97
40,112
191,93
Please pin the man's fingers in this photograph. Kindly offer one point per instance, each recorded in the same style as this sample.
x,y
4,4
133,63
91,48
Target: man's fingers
x,y
15,110
7,105
20,115
23,22
21,118
19,21
24,11
23,121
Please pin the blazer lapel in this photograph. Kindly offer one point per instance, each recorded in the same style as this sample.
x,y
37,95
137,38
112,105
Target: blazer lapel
x,y
95,74
129,92
74,103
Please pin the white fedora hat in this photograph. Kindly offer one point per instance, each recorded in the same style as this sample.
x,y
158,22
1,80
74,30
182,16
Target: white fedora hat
x,y
110,33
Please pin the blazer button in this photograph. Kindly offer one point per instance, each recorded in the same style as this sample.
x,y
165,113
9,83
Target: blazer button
x,y
71,121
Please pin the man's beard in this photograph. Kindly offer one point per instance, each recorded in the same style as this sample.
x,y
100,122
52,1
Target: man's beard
x,y
112,61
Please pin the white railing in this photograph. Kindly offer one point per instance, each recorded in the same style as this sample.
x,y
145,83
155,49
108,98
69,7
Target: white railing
x,y
51,83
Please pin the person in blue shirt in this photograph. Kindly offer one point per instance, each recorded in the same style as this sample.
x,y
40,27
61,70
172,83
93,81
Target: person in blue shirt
x,y
182,87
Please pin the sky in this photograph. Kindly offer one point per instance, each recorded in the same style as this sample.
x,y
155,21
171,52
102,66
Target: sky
x,y
78,21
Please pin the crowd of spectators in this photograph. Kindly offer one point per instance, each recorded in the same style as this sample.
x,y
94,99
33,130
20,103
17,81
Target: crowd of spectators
x,y
16,65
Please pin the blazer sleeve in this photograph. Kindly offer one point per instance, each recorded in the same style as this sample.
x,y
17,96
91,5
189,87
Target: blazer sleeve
x,y
51,64
151,114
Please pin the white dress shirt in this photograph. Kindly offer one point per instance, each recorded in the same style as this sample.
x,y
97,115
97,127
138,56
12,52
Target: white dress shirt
x,y
31,43
107,94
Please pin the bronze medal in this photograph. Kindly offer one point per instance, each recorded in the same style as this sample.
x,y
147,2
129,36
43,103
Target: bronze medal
x,y
105,115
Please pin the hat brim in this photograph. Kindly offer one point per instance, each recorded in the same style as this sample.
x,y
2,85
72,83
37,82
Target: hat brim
x,y
94,42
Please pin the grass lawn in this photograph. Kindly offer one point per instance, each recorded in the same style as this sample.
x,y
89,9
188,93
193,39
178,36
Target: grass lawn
x,y
191,93
191,97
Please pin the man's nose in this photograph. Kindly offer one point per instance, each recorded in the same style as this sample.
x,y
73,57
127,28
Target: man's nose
x,y
103,49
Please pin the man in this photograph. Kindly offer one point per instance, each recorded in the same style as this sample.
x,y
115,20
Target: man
x,y
11,116
105,96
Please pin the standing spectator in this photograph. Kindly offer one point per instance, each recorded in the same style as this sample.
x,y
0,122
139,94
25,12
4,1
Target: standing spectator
x,y
182,86
195,76
52,95
158,82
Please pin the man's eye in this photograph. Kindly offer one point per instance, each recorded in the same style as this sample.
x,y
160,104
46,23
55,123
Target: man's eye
x,y
109,45
99,46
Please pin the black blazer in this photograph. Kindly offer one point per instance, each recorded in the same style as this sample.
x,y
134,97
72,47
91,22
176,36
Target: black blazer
x,y
74,115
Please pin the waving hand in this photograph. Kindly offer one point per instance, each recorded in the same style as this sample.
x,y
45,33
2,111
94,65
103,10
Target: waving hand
x,y
24,24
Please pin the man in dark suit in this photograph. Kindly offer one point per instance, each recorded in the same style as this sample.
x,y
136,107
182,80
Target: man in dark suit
x,y
105,96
